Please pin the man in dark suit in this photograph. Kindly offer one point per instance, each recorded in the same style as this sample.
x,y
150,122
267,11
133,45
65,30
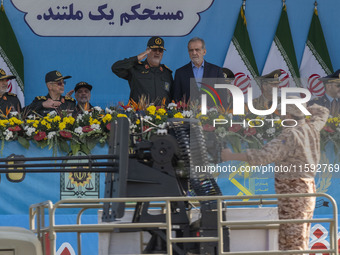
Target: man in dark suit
x,y
332,94
186,88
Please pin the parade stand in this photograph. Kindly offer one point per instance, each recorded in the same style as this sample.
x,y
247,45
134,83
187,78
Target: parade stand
x,y
165,219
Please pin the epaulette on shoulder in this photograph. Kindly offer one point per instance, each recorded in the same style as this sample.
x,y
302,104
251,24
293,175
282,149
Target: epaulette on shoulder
x,y
69,98
12,94
41,98
167,68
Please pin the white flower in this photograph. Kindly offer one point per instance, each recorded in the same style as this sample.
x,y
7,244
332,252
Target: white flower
x,y
95,126
51,134
31,116
221,132
147,117
212,109
9,134
162,126
109,111
52,114
258,135
29,130
133,126
270,131
172,105
14,113
187,114
97,108
129,109
78,130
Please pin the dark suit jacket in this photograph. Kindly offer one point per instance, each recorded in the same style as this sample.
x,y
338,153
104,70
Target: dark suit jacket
x,y
323,101
181,88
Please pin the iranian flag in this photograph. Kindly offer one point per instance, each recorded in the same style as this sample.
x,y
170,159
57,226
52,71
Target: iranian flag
x,y
316,62
240,57
11,59
282,54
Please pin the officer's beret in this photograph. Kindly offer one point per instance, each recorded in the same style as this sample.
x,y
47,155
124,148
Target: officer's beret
x,y
82,84
334,77
272,78
3,75
55,76
156,42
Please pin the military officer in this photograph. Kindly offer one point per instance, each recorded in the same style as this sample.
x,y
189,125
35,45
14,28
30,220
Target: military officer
x,y
83,95
53,101
295,146
332,94
148,78
9,102
268,82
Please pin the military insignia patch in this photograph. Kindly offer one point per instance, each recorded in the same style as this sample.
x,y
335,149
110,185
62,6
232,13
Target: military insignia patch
x,y
58,74
158,41
167,86
79,184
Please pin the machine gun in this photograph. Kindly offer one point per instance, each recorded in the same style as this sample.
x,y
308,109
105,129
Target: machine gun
x,y
162,166
165,166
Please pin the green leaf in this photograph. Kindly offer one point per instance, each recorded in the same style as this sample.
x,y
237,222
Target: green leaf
x,y
75,147
63,146
84,148
91,143
24,142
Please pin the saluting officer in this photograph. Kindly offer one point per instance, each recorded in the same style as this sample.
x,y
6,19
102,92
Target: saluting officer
x,y
9,102
147,78
53,101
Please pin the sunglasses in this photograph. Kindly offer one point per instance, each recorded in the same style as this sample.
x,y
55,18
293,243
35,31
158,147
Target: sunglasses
x,y
60,83
158,49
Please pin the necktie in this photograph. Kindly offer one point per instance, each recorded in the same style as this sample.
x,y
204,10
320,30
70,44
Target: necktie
x,y
334,111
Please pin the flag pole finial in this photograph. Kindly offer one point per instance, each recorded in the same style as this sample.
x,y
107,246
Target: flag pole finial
x,y
315,4
244,4
284,2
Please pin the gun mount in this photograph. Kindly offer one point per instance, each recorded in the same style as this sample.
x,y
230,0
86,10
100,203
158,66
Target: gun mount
x,y
162,166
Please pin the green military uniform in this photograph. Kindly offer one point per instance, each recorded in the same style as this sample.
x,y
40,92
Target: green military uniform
x,y
9,102
36,107
153,82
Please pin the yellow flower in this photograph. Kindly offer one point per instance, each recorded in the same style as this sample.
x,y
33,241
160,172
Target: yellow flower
x,y
56,119
221,117
151,109
3,123
107,118
161,111
204,117
198,115
62,125
94,121
138,122
121,115
158,117
14,121
178,115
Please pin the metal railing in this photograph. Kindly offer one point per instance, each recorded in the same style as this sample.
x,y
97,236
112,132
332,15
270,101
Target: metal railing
x,y
38,225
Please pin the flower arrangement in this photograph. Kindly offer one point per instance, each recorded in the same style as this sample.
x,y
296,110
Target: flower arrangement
x,y
66,133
